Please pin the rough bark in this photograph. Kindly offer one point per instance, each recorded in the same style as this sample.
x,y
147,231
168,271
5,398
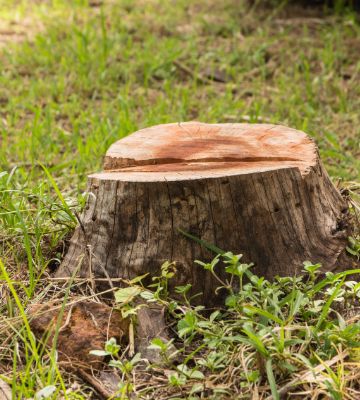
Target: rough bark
x,y
259,190
150,325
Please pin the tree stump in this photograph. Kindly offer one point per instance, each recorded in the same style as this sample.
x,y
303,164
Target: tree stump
x,y
255,189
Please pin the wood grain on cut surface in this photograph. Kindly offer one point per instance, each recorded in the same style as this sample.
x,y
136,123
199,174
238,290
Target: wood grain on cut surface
x,y
258,190
194,146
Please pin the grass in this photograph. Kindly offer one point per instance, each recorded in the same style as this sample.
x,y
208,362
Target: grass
x,y
289,334
77,75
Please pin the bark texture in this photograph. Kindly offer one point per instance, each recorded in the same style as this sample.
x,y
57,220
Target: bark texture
x,y
259,190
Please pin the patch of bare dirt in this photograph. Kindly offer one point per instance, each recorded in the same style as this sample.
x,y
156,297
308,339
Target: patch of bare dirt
x,y
19,29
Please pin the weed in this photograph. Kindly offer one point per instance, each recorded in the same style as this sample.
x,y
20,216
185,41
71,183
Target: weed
x,y
267,331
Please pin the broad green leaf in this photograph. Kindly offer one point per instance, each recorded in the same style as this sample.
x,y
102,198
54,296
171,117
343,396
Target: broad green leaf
x,y
138,278
125,295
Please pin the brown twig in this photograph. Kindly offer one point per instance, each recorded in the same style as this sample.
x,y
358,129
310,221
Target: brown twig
x,y
191,73
100,389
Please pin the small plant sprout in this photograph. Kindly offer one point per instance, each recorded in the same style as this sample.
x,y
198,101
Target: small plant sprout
x,y
190,373
354,246
176,379
166,348
235,268
213,361
111,349
183,290
126,367
312,269
168,270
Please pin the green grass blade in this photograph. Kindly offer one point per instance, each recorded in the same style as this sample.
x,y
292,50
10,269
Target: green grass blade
x,y
271,379
58,192
326,308
203,243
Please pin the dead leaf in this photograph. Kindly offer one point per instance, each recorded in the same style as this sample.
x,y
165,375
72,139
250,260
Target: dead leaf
x,y
5,391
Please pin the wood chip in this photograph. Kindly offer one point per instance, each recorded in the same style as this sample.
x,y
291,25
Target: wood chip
x,y
84,326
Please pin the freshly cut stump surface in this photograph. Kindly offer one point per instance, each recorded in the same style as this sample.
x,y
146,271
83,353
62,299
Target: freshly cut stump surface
x,y
255,189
